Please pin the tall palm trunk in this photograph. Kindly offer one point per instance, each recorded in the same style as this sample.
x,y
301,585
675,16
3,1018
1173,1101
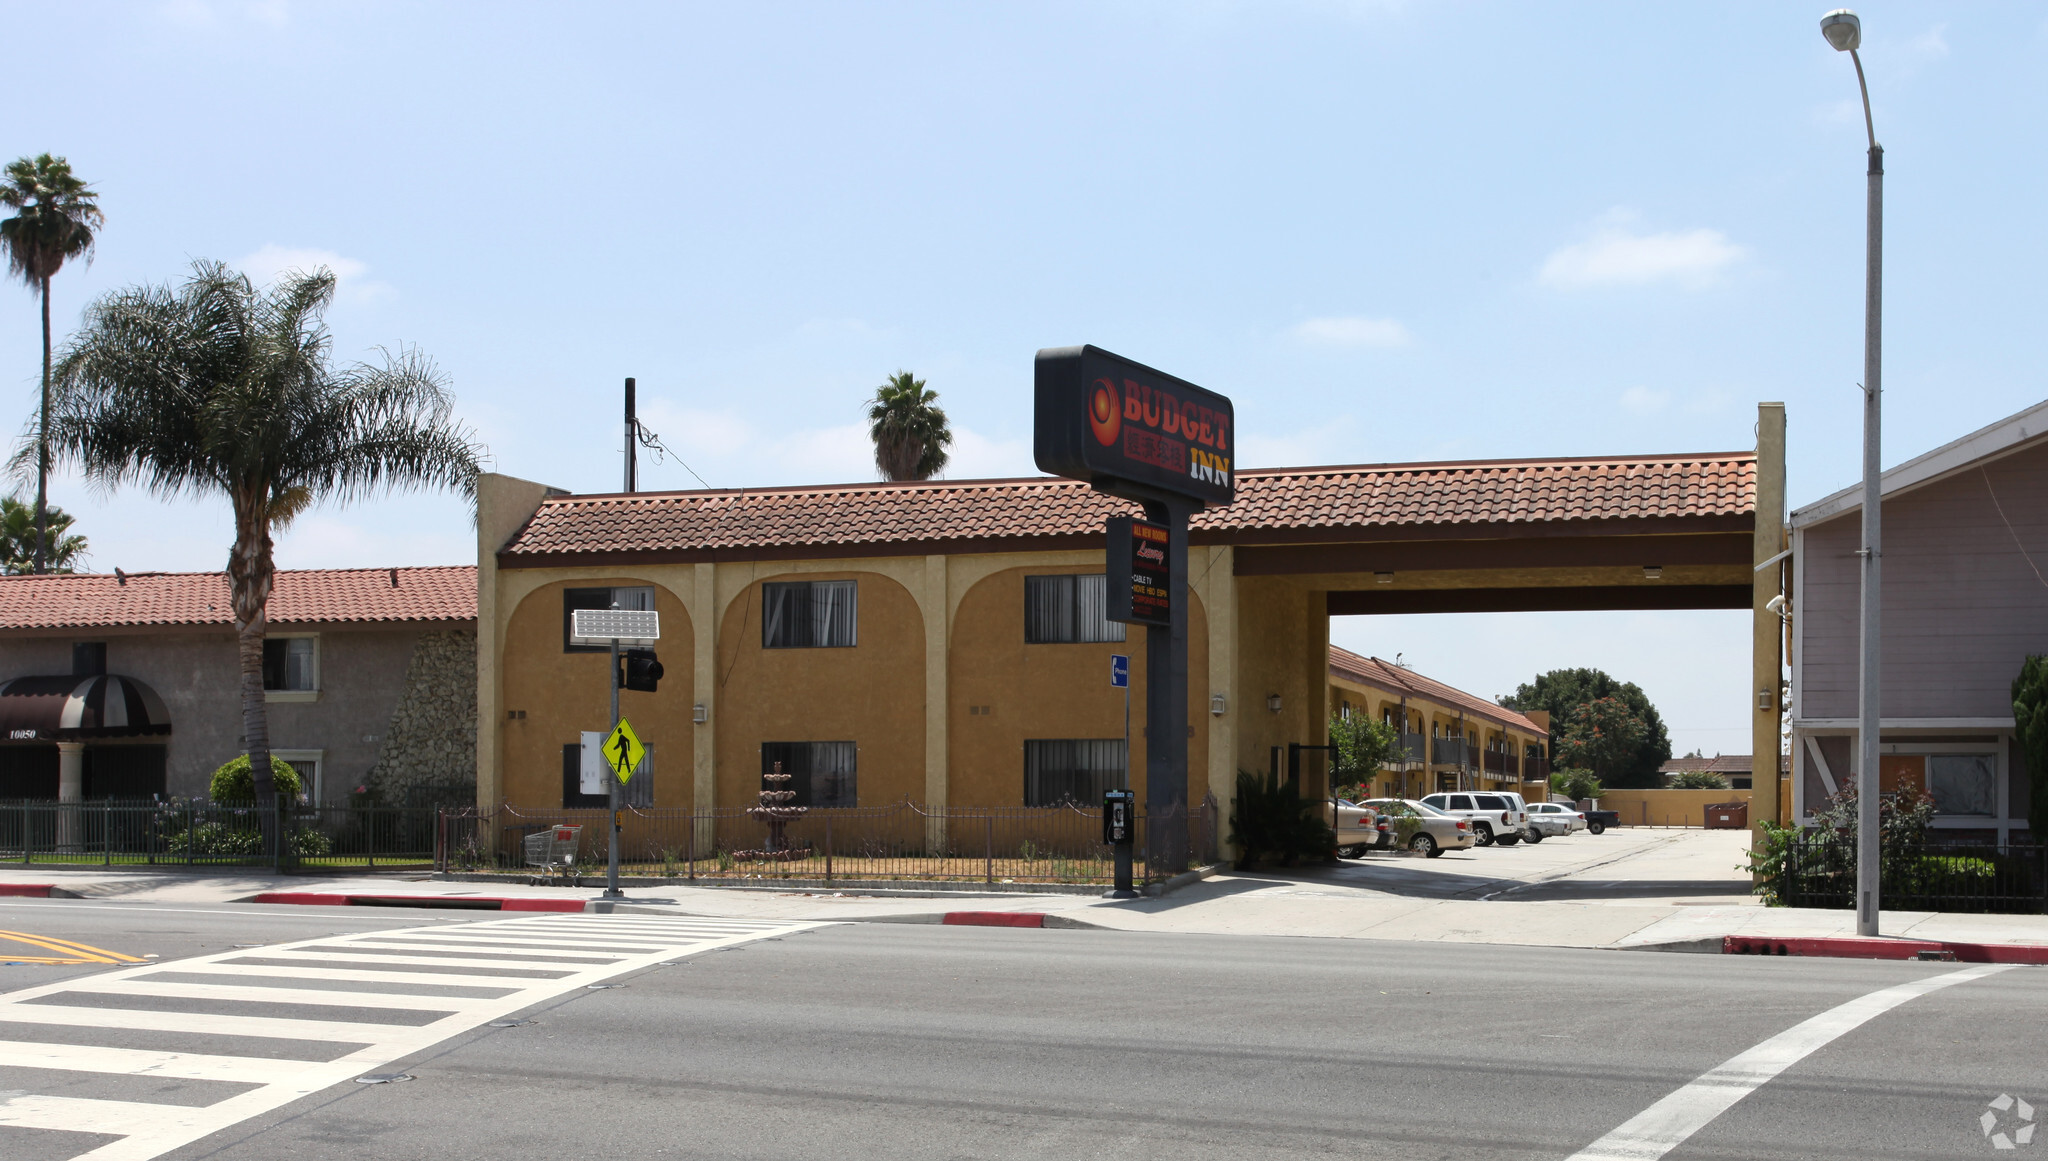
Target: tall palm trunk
x,y
250,575
43,441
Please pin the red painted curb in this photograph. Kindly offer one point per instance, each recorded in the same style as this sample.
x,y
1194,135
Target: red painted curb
x,y
993,919
26,890
450,902
1860,947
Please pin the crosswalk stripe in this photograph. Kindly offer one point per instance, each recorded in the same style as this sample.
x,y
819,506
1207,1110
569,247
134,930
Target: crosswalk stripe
x,y
81,1115
326,997
142,1062
560,951
290,972
206,1023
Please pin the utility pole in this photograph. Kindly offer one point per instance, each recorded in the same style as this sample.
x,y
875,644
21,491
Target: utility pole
x,y
632,473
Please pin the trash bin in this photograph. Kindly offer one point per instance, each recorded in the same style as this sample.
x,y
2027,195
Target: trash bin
x,y
1728,816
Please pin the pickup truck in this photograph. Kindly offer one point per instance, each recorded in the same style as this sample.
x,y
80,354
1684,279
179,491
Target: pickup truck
x,y
1599,820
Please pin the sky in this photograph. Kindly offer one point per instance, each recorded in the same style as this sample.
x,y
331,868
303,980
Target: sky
x,y
1389,231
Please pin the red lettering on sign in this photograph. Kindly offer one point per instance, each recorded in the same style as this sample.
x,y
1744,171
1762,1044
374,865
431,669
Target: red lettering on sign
x,y
1222,432
1151,402
1169,414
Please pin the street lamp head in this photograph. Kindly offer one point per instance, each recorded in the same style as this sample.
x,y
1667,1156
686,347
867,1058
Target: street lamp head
x,y
1842,29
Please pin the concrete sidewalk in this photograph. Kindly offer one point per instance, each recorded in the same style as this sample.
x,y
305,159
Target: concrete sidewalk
x,y
1643,889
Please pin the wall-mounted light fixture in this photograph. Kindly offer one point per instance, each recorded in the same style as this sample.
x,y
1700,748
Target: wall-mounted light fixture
x,y
1653,572
1384,578
1217,705
1273,703
1763,699
700,713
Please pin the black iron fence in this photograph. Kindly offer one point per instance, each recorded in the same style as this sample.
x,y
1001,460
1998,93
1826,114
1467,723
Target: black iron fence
x,y
153,832
1057,844
1819,870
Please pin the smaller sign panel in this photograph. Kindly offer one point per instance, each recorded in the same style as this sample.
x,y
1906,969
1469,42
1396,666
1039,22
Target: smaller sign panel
x,y
1140,572
623,751
1119,671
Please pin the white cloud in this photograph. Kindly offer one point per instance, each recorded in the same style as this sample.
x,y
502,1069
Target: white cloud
x,y
1617,256
1644,401
1352,332
264,266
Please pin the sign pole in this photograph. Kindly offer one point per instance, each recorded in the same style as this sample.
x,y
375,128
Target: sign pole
x,y
611,875
1166,707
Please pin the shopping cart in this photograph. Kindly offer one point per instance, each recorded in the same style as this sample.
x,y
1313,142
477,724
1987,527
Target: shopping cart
x,y
553,849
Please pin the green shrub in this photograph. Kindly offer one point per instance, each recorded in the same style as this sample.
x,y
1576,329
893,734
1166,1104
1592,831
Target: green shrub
x,y
233,783
1271,818
219,840
1698,780
1575,783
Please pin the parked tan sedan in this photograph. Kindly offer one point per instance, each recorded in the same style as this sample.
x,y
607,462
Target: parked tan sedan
x,y
1435,833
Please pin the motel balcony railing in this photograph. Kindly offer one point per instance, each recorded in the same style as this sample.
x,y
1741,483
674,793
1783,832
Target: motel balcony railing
x,y
1414,750
1504,764
1536,769
1449,751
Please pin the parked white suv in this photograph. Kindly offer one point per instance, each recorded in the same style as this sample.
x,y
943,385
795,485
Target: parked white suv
x,y
1495,817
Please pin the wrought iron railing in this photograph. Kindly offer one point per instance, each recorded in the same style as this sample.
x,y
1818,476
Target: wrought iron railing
x,y
1819,870
176,833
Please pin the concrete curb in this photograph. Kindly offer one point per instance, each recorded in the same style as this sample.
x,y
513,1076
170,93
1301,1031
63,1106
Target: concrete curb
x,y
911,888
1863,947
986,919
444,902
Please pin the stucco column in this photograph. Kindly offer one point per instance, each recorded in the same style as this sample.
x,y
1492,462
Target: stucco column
x,y
503,506
1217,585
937,640
704,621
1766,630
1314,720
70,789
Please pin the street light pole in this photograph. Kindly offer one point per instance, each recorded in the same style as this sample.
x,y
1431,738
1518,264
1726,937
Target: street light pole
x,y
1845,32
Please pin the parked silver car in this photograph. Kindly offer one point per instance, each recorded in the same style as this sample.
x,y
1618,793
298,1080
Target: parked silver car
x,y
1434,831
1556,817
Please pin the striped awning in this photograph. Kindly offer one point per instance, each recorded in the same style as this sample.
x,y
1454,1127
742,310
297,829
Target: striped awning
x,y
64,709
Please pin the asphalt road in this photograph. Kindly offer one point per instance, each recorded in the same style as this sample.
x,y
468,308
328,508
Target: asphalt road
x,y
907,1042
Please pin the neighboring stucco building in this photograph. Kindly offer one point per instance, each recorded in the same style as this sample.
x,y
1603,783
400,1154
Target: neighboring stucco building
x,y
129,685
1450,739
942,641
1965,551
1738,769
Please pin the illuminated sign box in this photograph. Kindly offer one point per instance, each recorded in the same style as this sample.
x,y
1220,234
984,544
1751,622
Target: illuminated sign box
x,y
1140,572
1110,421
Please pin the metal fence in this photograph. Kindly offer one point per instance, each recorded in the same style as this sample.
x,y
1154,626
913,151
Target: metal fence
x,y
1057,844
1820,871
161,833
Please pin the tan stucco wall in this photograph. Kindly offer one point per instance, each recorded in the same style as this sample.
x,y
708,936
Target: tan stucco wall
x,y
563,694
1050,691
872,694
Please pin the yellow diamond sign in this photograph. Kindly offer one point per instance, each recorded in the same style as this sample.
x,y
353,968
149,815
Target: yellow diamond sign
x,y
623,751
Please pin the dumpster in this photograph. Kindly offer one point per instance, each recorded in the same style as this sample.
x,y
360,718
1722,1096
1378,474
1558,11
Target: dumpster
x,y
1728,816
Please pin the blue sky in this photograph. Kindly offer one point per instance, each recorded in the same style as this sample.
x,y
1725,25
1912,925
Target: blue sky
x,y
1390,231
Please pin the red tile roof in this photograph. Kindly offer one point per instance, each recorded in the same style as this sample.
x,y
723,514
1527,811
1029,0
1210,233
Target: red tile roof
x,y
1399,680
1272,504
301,597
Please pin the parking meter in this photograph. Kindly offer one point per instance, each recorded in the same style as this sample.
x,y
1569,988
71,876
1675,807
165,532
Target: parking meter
x,y
1120,832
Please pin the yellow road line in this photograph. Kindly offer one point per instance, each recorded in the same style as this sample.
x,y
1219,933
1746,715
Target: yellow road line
x,y
80,952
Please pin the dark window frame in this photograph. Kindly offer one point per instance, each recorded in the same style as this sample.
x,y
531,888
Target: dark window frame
x,y
1055,772
801,760
789,615
1059,596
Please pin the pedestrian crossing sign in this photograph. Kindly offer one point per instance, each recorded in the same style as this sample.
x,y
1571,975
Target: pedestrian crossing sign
x,y
623,751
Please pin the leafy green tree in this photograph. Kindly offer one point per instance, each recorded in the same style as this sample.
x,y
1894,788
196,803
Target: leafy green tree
x,y
216,389
54,217
1603,735
1364,748
909,429
1576,783
1561,691
2030,715
18,539
1698,780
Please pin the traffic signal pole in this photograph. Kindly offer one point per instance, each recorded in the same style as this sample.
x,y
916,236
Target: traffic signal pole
x,y
611,875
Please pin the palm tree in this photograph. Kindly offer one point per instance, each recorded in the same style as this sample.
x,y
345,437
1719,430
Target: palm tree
x,y
216,388
19,537
54,217
908,428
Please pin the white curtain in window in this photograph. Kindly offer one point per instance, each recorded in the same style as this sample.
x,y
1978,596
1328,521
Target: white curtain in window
x,y
1091,610
1048,609
1075,770
834,774
832,613
1963,783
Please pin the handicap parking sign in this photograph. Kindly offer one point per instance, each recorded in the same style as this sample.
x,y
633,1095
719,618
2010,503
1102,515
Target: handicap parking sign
x,y
1119,671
